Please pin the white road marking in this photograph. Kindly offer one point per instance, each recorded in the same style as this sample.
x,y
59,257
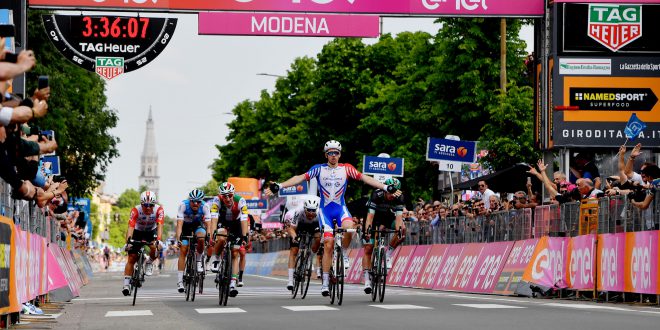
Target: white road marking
x,y
310,308
129,313
488,306
401,307
218,310
580,306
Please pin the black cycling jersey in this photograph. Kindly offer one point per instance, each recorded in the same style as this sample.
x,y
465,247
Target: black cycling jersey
x,y
385,208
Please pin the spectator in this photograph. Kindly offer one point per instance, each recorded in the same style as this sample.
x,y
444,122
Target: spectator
x,y
650,173
485,193
587,189
494,204
584,168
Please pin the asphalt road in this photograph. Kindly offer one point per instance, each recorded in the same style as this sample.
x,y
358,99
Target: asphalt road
x,y
264,303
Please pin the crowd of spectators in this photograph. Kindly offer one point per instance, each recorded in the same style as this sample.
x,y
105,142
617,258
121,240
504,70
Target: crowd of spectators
x,y
22,143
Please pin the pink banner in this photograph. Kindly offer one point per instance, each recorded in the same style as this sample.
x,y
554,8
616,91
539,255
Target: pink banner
x,y
56,278
414,268
71,278
354,274
641,262
449,267
21,271
35,258
400,265
547,266
611,1
512,273
432,265
271,225
528,8
303,25
611,249
467,265
489,266
581,261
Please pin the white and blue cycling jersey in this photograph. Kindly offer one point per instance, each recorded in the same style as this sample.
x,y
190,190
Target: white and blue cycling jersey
x,y
332,183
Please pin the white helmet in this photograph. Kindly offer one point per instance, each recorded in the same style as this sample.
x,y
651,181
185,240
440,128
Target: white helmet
x,y
148,197
312,203
332,144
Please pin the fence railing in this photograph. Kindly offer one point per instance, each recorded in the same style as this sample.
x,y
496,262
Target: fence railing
x,y
27,215
615,214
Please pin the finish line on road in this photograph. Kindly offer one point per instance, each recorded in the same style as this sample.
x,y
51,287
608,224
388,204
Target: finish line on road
x,y
129,313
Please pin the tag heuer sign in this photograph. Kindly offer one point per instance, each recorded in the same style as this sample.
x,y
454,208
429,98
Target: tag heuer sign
x,y
615,26
109,67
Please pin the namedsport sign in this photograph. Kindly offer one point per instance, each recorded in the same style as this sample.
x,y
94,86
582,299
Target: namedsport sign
x,y
521,8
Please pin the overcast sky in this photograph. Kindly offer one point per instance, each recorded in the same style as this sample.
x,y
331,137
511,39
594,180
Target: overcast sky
x,y
192,86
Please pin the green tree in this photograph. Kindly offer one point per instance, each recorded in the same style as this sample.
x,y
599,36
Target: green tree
x,y
78,112
94,218
210,188
128,199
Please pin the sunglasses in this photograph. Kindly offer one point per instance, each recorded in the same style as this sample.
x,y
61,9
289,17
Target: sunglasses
x,y
332,153
482,185
310,211
148,204
195,202
227,196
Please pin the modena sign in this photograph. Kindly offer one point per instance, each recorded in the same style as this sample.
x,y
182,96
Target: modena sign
x,y
519,8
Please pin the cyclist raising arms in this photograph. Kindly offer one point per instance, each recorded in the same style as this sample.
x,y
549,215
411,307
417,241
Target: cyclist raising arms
x,y
385,212
193,218
300,220
229,214
145,224
332,179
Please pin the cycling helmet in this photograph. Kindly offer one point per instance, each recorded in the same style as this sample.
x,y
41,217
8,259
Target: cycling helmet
x,y
196,195
312,203
148,197
332,144
393,181
226,188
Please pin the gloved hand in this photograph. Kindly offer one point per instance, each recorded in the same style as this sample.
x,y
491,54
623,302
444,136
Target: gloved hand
x,y
274,187
391,189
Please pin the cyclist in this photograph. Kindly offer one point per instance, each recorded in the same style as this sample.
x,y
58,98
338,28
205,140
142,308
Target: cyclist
x,y
332,179
145,224
303,219
385,212
229,214
161,255
193,217
242,252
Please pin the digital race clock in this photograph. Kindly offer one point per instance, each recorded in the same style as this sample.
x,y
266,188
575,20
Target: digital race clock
x,y
109,45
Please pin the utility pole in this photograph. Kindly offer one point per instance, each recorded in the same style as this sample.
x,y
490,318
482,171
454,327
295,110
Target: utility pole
x,y
503,55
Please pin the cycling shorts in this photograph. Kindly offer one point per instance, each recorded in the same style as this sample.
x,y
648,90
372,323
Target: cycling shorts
x,y
139,235
330,212
233,227
191,229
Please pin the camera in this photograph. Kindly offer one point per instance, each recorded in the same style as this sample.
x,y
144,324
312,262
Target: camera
x,y
58,178
10,57
638,195
43,82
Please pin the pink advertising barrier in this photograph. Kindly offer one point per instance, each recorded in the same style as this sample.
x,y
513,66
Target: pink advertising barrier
x,y
354,274
414,268
581,262
400,264
548,264
641,262
449,266
21,270
531,8
489,266
70,274
304,25
611,249
431,268
515,265
56,278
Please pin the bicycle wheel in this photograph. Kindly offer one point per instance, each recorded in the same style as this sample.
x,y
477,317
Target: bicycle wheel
x,y
219,282
296,275
333,280
227,274
201,282
194,279
135,279
187,277
304,286
382,281
375,274
340,277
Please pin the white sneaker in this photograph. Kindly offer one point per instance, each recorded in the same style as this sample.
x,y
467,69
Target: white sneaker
x,y
389,260
214,266
126,290
149,269
367,287
318,273
200,267
232,288
289,285
180,287
347,262
240,284
325,291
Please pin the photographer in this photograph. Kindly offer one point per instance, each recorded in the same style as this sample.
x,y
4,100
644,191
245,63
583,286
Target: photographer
x,y
649,174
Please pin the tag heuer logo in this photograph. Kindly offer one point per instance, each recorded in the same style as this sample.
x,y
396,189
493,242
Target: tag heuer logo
x,y
615,26
109,67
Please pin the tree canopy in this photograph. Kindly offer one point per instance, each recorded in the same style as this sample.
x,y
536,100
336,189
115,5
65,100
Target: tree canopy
x,y
389,97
